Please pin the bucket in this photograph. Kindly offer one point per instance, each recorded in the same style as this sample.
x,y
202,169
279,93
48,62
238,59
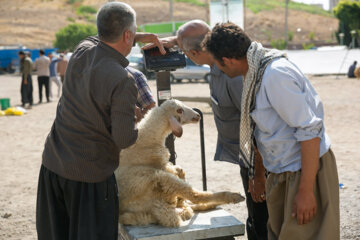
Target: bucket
x,y
5,103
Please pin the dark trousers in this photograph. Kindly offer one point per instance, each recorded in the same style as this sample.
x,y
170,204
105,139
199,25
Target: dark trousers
x,y
71,210
43,81
26,90
256,223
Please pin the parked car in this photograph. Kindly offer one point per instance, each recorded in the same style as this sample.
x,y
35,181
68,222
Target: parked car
x,y
191,72
137,61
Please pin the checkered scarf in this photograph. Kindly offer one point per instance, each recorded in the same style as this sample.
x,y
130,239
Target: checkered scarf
x,y
258,58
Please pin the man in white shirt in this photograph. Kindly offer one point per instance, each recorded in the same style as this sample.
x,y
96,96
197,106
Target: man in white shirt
x,y
282,116
42,67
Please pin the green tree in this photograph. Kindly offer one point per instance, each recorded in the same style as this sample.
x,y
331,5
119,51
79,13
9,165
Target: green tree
x,y
348,13
68,37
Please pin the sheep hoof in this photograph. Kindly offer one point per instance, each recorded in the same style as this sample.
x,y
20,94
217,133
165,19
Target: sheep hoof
x,y
236,198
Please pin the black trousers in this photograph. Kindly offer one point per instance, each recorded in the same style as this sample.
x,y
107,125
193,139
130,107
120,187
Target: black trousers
x,y
256,223
43,81
26,90
71,210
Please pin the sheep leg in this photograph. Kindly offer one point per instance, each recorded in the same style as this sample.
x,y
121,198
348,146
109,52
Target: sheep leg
x,y
204,206
166,215
138,218
175,170
173,186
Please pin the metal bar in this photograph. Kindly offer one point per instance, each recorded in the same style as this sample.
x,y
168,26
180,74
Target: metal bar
x,y
286,23
163,94
203,162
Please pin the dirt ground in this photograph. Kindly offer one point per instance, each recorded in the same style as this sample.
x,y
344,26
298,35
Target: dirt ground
x,y
22,141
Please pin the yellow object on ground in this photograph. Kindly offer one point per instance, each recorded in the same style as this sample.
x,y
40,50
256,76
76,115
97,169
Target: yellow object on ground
x,y
13,111
2,113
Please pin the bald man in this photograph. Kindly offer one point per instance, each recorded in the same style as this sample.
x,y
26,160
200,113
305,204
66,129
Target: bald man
x,y
226,104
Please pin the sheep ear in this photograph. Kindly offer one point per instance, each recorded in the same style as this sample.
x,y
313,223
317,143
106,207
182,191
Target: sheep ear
x,y
176,127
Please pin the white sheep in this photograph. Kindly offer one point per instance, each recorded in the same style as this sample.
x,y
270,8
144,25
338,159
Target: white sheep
x,y
151,189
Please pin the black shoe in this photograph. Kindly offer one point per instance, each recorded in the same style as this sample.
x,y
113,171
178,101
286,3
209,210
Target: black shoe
x,y
39,102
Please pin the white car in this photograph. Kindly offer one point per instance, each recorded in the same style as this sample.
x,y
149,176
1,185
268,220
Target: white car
x,y
191,72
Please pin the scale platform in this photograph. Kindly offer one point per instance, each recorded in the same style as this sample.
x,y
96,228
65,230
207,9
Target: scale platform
x,y
215,224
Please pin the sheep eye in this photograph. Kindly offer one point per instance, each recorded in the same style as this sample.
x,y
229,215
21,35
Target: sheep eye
x,y
180,110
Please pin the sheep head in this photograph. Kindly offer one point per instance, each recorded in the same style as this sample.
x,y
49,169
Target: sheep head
x,y
178,115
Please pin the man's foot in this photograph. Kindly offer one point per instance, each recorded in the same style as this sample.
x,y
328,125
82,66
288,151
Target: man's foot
x,y
39,102
29,107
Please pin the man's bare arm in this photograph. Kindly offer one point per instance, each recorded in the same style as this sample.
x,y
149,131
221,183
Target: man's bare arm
x,y
304,207
167,42
150,38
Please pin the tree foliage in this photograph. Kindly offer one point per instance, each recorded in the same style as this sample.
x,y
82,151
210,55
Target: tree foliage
x,y
68,37
348,13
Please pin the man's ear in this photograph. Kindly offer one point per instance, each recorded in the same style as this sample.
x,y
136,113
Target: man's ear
x,y
193,52
127,36
227,61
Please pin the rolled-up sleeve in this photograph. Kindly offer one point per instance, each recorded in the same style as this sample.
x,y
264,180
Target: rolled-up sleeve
x,y
290,100
123,128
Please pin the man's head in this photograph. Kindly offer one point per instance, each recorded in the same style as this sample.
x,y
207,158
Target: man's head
x,y
41,52
21,55
228,44
116,24
50,55
189,37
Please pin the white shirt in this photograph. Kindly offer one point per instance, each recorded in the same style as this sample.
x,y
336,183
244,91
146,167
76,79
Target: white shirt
x,y
42,66
288,111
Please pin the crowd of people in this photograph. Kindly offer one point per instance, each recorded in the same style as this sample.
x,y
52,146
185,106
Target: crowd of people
x,y
268,116
48,69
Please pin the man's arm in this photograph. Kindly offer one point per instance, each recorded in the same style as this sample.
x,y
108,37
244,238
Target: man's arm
x,y
167,42
304,207
150,38
123,114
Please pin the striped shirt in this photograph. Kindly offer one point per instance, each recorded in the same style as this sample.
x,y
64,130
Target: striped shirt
x,y
144,97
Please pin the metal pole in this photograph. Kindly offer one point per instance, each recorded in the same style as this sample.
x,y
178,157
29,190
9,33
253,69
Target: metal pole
x,y
207,7
172,16
286,22
244,13
202,142
163,94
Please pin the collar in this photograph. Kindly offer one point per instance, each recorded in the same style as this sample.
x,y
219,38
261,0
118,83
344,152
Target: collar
x,y
114,54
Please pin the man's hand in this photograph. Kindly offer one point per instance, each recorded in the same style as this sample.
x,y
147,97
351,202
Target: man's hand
x,y
150,38
138,113
304,207
167,42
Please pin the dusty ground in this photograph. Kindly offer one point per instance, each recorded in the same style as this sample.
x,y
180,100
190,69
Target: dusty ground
x,y
22,140
33,23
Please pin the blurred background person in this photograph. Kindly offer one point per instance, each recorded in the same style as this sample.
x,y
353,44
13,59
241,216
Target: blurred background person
x,y
26,81
53,75
42,68
351,70
61,67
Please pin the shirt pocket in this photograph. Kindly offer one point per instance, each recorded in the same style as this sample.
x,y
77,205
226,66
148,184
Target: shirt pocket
x,y
224,109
